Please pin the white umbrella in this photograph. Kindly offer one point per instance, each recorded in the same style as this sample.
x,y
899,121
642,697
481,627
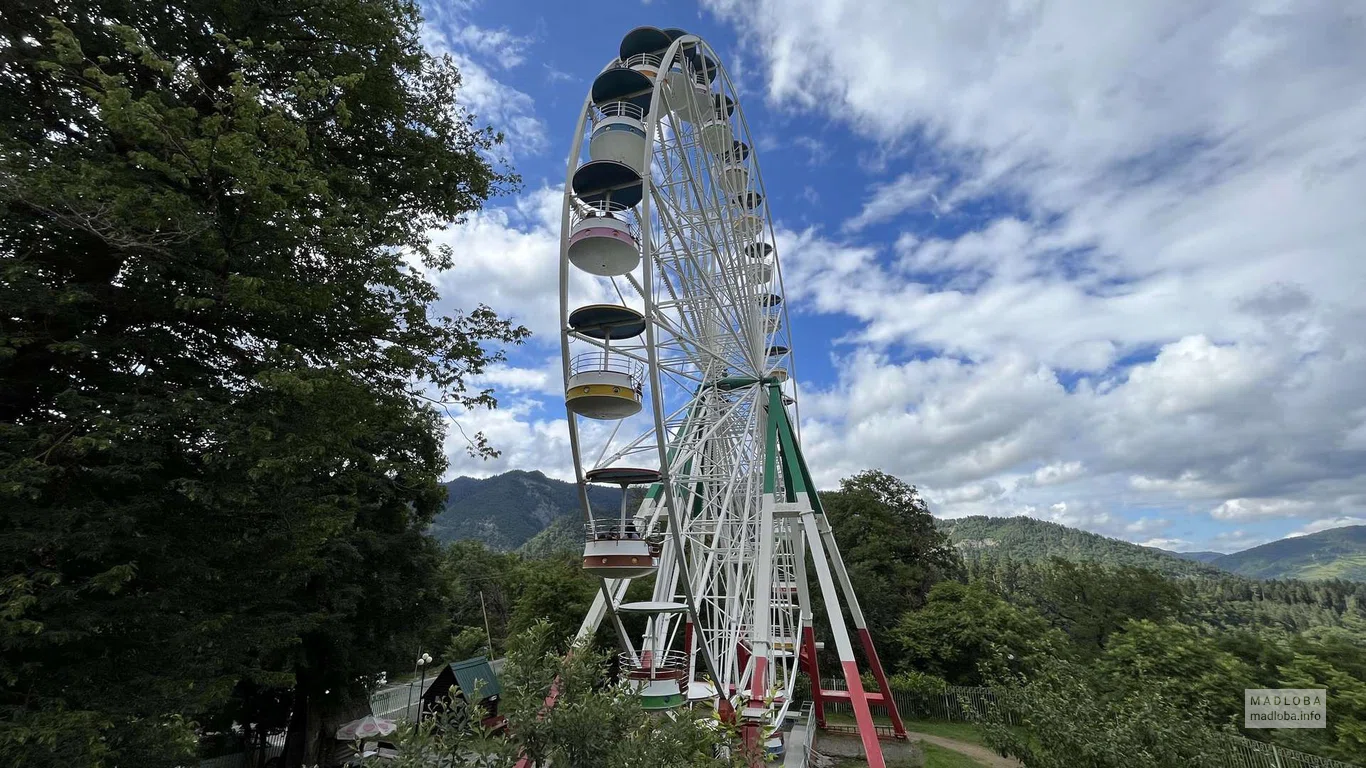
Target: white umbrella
x,y
365,728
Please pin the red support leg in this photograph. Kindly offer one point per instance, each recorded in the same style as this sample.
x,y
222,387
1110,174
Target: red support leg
x,y
813,671
887,701
862,715
753,745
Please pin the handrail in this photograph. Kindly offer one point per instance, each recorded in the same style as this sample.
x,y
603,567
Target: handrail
x,y
603,529
608,209
663,660
605,362
642,59
621,109
581,211
809,710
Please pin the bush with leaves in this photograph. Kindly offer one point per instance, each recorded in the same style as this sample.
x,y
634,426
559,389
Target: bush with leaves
x,y
966,633
1067,715
592,723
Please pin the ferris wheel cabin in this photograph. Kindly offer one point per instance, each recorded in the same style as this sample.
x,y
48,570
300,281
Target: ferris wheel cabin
x,y
615,548
602,238
602,385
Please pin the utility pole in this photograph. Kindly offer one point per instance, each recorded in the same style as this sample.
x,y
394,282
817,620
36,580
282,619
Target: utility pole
x,y
488,634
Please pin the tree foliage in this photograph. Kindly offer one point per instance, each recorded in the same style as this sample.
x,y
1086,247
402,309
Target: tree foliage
x,y
590,725
497,595
968,635
1071,716
218,444
890,545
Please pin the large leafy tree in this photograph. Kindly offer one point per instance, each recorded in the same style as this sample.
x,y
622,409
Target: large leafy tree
x,y
968,635
1090,602
1070,715
219,359
1181,663
890,545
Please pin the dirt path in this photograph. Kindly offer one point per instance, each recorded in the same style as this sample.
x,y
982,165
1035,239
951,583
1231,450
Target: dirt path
x,y
980,754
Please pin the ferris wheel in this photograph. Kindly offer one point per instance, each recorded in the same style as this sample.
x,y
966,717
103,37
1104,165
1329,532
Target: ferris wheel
x,y
677,363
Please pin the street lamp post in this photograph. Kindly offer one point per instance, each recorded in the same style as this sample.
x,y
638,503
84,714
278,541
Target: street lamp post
x,y
422,663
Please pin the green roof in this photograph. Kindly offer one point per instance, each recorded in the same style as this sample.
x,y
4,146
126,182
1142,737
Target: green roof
x,y
476,674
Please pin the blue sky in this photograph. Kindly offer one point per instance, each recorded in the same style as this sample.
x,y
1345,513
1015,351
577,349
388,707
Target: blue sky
x,y
1096,264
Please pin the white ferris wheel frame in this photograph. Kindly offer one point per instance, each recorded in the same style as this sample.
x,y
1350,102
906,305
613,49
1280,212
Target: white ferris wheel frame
x,y
736,523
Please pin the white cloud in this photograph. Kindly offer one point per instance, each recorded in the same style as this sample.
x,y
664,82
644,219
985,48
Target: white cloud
x,y
1180,249
1052,474
1257,509
1172,545
493,101
888,200
508,257
499,45
529,437
1332,522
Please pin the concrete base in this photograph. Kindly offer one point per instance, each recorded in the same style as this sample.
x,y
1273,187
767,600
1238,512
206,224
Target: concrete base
x,y
837,749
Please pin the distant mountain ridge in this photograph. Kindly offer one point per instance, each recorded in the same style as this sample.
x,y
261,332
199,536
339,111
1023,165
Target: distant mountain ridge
x,y
505,511
1337,553
1199,557
1026,538
538,515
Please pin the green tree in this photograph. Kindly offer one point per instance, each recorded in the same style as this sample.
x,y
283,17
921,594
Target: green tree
x,y
555,591
1180,663
1090,602
219,447
1069,716
482,586
1345,735
890,545
966,634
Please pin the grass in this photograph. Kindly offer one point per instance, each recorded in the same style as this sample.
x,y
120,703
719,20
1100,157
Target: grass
x,y
961,731
935,757
968,732
938,757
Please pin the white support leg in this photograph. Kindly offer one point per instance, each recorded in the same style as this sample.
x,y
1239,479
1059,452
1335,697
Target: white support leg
x,y
843,647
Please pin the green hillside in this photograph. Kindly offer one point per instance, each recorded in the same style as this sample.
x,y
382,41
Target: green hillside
x,y
1028,539
1337,553
1199,557
507,510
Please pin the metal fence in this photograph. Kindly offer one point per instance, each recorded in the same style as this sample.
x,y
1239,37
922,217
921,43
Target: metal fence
x,y
954,702
1241,752
808,718
967,704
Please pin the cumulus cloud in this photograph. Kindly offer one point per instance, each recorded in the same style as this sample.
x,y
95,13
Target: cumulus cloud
x,y
476,51
895,197
1326,524
1165,291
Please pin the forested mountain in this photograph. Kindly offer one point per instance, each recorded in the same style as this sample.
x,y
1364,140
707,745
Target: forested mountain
x,y
1337,553
1199,557
507,510
1031,540
528,510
